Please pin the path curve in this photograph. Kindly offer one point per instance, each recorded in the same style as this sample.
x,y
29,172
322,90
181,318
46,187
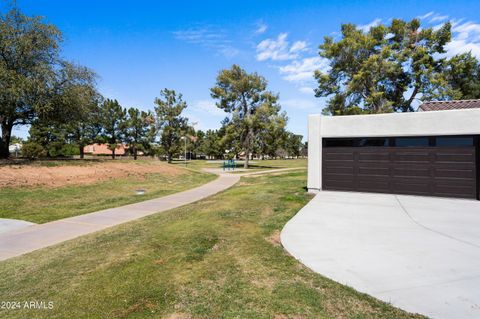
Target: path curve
x,y
21,241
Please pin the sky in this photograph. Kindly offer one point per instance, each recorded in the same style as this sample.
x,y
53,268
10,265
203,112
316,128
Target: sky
x,y
140,47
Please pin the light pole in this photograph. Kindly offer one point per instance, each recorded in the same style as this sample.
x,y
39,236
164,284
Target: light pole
x,y
185,154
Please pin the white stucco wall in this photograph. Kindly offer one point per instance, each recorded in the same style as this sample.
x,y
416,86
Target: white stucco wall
x,y
452,122
314,152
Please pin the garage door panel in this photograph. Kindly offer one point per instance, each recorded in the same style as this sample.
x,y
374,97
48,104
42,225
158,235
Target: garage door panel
x,y
381,165
412,165
367,178
455,157
418,186
411,180
339,177
453,165
340,185
374,157
454,173
339,163
403,170
377,187
411,157
412,172
340,170
339,157
455,191
454,182
373,171
458,189
375,182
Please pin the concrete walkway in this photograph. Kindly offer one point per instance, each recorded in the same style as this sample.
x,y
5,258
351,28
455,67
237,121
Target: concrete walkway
x,y
7,224
421,254
20,241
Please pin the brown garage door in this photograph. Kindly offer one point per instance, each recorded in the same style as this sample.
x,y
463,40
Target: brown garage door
x,y
389,167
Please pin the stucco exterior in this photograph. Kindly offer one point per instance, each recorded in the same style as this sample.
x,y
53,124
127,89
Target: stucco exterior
x,y
451,122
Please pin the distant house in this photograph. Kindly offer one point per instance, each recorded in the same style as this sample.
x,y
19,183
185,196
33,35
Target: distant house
x,y
449,105
102,149
15,148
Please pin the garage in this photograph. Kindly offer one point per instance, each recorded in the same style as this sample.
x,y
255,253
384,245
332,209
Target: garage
x,y
430,153
425,165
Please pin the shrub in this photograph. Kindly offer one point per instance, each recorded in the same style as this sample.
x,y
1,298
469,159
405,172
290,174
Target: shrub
x,y
33,150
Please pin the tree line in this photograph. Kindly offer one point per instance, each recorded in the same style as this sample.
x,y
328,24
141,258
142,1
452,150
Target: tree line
x,y
157,133
60,101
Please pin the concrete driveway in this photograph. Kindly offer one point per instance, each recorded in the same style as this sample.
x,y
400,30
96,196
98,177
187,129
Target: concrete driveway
x,y
421,254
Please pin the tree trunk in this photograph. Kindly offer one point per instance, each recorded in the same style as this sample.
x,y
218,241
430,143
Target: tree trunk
x,y
82,153
134,152
169,157
5,140
113,153
247,145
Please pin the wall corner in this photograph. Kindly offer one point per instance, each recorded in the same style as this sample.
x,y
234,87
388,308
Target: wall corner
x,y
314,178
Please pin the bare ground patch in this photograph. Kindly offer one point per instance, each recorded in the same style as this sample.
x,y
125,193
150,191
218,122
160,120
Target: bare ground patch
x,y
57,176
179,315
274,238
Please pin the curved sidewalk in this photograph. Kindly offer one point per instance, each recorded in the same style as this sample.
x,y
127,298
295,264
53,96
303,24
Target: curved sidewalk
x,y
19,242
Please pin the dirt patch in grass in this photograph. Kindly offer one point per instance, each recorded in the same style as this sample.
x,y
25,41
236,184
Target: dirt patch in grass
x,y
140,306
289,317
274,238
179,315
58,176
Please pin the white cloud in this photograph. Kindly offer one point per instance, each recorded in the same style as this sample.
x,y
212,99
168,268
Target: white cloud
x,y
261,28
229,52
302,104
306,90
208,106
437,26
433,17
467,30
208,37
465,34
279,49
199,35
426,15
438,18
465,38
462,46
193,120
366,27
302,70
299,46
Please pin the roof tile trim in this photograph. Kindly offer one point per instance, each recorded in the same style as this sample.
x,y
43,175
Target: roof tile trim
x,y
449,105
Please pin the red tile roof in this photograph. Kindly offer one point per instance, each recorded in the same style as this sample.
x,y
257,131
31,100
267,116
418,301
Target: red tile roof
x,y
449,105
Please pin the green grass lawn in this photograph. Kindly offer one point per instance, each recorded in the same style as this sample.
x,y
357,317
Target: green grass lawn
x,y
44,204
217,258
258,165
